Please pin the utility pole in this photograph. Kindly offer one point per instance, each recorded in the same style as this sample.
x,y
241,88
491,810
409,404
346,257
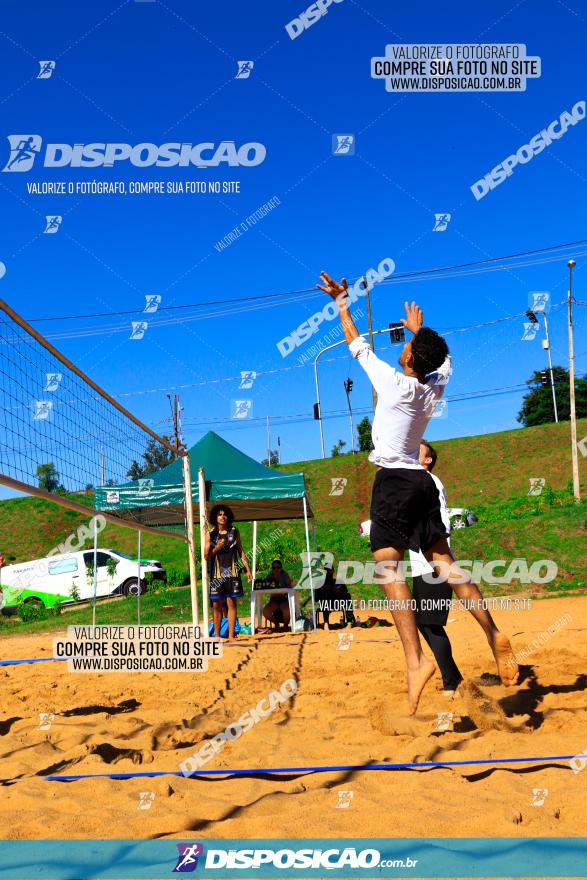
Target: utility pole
x,y
268,443
575,458
365,287
102,464
547,347
278,449
174,415
531,314
348,387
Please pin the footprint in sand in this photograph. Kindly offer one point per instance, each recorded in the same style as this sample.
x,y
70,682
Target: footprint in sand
x,y
393,724
485,713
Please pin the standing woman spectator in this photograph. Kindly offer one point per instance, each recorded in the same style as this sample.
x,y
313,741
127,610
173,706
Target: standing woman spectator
x,y
222,550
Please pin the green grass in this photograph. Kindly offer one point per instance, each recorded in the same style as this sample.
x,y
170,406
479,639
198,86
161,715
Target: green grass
x,y
490,474
123,611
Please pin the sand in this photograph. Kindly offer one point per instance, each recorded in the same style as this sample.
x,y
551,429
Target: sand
x,y
350,709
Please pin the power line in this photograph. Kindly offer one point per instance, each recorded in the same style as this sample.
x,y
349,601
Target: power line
x,y
296,418
258,297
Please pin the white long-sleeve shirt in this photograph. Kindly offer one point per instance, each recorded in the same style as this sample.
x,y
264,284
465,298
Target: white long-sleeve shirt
x,y
404,407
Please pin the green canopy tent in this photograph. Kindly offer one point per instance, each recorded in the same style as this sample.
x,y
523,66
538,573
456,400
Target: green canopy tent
x,y
225,474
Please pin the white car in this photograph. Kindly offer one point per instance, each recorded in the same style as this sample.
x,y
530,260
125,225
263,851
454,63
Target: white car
x,y
69,578
460,518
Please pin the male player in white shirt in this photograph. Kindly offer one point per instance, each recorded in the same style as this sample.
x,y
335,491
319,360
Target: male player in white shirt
x,y
405,507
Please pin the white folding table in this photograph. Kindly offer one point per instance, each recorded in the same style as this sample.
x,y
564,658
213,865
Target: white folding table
x,y
257,604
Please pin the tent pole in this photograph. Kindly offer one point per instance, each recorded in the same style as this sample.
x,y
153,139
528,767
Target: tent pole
x,y
309,562
138,577
189,516
254,576
95,572
205,585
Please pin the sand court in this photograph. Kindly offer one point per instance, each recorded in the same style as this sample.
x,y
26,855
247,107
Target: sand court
x,y
349,710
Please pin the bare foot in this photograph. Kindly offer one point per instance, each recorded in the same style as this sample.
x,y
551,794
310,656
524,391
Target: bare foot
x,y
417,679
507,665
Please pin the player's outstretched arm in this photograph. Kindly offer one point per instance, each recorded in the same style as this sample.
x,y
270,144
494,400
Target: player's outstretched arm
x,y
339,293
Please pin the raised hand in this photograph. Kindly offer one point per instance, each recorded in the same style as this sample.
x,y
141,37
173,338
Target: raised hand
x,y
332,287
414,317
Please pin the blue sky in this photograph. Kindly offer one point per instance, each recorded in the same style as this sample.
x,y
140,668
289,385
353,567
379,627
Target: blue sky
x,y
165,71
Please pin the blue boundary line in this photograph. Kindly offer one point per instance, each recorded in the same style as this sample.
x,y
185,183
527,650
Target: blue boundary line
x,y
32,660
318,769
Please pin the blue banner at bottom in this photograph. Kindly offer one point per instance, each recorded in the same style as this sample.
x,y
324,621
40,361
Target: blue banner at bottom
x,y
361,857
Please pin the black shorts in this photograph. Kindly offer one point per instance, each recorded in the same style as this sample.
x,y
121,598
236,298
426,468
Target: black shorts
x,y
405,510
228,587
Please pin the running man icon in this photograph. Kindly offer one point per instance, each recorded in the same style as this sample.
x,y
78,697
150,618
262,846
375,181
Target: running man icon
x,y
23,151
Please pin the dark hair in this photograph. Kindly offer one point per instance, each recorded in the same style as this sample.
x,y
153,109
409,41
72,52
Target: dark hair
x,y
276,562
429,350
213,516
430,453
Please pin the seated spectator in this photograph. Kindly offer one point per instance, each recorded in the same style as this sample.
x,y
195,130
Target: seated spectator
x,y
330,593
277,609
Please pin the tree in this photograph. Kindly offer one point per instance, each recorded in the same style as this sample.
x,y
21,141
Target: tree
x,y
48,477
337,448
273,459
156,456
537,405
364,433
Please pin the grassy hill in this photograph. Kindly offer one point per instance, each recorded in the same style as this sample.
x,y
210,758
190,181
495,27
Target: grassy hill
x,y
489,474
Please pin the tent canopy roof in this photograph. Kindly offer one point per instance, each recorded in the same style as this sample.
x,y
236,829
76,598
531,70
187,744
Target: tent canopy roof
x,y
253,491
